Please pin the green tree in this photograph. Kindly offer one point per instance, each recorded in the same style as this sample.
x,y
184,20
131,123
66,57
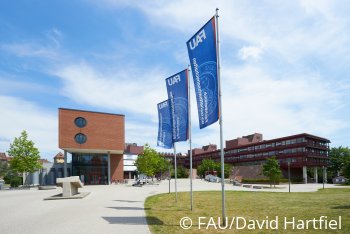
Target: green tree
x,y
162,165
211,165
227,170
25,155
150,162
182,172
346,169
338,159
4,169
206,165
271,169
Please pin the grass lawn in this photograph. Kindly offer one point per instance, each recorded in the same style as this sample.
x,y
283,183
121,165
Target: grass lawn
x,y
164,215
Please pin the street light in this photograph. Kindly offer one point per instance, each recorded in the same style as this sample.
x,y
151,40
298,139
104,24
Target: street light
x,y
289,172
169,173
323,176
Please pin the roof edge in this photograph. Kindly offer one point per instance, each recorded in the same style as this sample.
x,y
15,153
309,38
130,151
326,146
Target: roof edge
x,y
97,112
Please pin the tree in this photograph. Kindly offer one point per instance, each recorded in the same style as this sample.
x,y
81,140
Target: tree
x,y
25,155
4,169
182,172
206,165
271,169
150,162
227,169
338,158
211,165
346,169
162,165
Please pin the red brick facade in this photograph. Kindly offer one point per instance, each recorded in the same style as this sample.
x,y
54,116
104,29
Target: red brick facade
x,y
105,134
103,131
117,163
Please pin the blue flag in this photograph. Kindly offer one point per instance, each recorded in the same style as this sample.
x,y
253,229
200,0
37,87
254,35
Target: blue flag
x,y
178,96
165,138
202,53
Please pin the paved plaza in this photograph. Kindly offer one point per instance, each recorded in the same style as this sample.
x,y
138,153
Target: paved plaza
x,y
108,209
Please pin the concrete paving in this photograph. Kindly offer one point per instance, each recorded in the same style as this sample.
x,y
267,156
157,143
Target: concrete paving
x,y
108,209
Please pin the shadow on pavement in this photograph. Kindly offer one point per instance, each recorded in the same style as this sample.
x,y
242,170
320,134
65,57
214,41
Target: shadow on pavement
x,y
127,208
134,220
127,201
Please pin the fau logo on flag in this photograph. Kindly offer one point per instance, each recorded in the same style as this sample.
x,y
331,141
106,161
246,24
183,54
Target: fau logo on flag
x,y
202,53
197,39
177,88
165,138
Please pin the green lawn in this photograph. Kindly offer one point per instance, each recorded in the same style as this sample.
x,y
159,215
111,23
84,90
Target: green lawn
x,y
164,215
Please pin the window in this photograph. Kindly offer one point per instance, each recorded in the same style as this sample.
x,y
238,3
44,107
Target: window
x,y
80,122
80,138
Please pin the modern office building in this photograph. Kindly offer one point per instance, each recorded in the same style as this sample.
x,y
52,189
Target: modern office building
x,y
248,152
132,150
96,142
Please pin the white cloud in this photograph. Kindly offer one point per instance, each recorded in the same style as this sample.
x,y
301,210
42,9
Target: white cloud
x,y
29,50
134,91
46,47
254,101
19,115
289,29
250,52
280,95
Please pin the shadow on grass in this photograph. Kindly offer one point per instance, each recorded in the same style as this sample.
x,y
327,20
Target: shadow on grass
x,y
128,208
129,201
134,220
341,207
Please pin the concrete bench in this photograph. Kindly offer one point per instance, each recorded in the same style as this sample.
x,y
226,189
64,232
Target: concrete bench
x,y
69,185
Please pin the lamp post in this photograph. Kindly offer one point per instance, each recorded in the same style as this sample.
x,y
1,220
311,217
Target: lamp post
x,y
169,175
323,176
289,173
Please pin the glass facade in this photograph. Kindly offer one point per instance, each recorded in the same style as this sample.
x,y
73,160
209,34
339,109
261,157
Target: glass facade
x,y
91,168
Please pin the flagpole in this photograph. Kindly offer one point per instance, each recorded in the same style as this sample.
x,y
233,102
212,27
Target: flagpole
x,y
190,135
175,168
220,117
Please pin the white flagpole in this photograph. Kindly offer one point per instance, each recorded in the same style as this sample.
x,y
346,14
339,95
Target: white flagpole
x,y
175,168
190,134
220,116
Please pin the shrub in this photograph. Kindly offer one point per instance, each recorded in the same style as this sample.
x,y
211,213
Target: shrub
x,y
16,181
7,179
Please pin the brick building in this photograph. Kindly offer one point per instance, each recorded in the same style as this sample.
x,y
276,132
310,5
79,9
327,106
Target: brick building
x,y
96,141
302,151
131,152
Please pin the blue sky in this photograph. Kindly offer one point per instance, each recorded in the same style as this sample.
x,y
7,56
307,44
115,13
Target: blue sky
x,y
285,66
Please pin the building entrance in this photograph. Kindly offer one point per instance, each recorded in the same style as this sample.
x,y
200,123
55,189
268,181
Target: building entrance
x,y
91,168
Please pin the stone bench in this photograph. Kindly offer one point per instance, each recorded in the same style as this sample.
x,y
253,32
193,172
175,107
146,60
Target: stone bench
x,y
69,185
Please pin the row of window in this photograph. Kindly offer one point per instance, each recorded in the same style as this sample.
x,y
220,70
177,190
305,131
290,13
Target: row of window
x,y
80,122
265,154
276,144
